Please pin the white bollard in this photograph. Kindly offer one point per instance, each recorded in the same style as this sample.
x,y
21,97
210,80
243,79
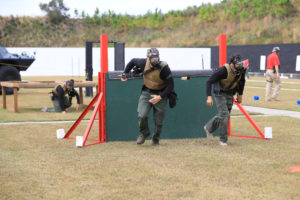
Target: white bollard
x,y
60,133
268,132
79,141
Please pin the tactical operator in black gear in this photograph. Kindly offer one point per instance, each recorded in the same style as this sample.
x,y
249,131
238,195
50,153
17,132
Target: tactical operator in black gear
x,y
228,80
59,99
158,84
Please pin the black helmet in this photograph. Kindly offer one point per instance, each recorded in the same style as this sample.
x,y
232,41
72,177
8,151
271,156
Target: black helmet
x,y
235,59
70,83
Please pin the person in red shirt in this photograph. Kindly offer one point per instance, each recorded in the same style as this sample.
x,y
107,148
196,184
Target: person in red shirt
x,y
272,74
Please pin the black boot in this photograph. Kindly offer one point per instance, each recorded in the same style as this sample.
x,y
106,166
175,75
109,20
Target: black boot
x,y
144,130
155,142
141,139
155,138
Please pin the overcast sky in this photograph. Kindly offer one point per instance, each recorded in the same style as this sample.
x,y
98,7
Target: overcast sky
x,y
131,7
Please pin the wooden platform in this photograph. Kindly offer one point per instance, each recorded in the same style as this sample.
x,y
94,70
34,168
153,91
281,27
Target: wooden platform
x,y
40,84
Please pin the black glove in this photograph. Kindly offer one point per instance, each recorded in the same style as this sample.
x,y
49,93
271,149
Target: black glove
x,y
132,75
124,75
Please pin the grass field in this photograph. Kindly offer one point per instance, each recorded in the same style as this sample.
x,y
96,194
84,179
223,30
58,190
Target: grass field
x,y
36,165
288,98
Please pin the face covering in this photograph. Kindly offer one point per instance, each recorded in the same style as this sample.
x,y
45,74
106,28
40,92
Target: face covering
x,y
154,60
242,65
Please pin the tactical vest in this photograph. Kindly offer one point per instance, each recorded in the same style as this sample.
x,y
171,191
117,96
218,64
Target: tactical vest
x,y
63,87
152,79
225,83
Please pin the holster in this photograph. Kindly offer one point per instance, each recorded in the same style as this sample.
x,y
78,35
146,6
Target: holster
x,y
217,89
172,99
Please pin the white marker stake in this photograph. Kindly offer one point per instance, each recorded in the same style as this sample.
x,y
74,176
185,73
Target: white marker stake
x,y
60,133
79,141
268,132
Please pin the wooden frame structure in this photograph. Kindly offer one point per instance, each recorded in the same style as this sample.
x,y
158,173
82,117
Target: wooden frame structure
x,y
39,84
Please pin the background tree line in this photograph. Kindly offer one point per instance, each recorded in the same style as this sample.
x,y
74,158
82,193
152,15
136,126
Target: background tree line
x,y
245,22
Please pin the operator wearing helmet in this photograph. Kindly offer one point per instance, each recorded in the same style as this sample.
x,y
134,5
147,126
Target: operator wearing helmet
x,y
272,74
228,80
59,99
158,84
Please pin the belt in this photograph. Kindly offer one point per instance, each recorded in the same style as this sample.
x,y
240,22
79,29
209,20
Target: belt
x,y
229,92
273,70
151,91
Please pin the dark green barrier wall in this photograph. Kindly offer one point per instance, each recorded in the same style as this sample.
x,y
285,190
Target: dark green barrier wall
x,y
186,120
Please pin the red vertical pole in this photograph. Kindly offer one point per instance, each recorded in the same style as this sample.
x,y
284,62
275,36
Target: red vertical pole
x,y
104,70
103,113
101,109
104,54
99,113
222,61
229,128
222,50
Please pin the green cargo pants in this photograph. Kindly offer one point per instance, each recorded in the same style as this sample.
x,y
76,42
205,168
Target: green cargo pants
x,y
56,107
224,104
143,110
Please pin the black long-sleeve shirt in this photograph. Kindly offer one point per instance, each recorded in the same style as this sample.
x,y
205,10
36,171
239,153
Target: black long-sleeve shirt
x,y
139,64
221,73
61,95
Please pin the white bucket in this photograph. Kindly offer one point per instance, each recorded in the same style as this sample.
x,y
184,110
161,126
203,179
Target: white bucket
x,y
268,132
60,133
79,141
